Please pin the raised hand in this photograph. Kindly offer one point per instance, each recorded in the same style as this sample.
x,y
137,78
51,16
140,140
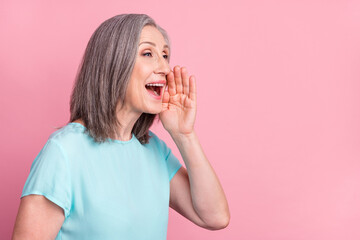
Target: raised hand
x,y
179,102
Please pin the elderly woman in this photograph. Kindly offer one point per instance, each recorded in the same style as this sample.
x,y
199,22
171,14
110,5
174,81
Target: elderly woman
x,y
105,175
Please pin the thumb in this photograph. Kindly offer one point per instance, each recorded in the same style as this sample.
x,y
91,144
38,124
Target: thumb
x,y
165,100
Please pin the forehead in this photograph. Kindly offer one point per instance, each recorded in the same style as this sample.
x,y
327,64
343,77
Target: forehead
x,y
152,34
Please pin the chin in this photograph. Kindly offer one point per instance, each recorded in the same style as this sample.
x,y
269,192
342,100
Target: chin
x,y
154,110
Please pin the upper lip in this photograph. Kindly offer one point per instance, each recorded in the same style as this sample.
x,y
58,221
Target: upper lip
x,y
160,81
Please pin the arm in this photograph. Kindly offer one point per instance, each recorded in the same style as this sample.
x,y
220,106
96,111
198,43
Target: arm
x,y
195,193
37,218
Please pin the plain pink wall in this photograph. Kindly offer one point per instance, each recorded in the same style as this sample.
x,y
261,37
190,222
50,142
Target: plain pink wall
x,y
278,104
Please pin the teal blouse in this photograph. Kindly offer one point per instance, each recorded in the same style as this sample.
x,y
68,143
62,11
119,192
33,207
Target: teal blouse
x,y
112,190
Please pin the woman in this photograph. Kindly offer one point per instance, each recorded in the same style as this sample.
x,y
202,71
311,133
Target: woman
x,y
105,175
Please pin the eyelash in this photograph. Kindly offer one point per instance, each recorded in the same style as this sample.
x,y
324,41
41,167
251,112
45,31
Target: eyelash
x,y
167,56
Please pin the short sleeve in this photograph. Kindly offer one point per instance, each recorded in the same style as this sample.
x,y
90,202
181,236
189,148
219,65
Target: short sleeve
x,y
49,176
173,164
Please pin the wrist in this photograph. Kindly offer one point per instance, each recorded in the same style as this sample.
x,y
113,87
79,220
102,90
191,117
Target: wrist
x,y
183,137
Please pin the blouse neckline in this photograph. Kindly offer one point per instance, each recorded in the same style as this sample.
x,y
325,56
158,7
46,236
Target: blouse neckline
x,y
109,139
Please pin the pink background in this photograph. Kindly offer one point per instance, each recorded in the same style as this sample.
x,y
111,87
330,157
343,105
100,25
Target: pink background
x,y
278,104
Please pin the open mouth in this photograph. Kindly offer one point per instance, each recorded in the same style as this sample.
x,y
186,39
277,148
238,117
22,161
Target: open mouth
x,y
155,88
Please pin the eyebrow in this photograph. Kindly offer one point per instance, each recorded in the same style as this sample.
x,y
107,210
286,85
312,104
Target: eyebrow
x,y
151,43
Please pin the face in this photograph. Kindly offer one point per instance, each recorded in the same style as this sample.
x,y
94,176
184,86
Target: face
x,y
148,79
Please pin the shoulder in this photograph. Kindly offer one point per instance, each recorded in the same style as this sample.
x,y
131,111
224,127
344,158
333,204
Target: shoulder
x,y
71,134
153,136
158,143
155,140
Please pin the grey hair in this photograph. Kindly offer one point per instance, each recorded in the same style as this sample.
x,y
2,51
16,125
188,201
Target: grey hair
x,y
104,74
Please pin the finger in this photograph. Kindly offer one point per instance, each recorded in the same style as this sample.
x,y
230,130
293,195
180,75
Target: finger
x,y
192,88
171,83
165,101
178,80
166,96
185,81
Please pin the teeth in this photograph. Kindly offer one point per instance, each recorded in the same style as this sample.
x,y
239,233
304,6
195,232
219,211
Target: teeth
x,y
155,84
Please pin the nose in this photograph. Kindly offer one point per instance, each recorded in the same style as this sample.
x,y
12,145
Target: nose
x,y
163,66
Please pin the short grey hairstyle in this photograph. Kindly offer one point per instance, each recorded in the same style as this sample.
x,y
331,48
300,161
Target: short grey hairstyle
x,y
104,74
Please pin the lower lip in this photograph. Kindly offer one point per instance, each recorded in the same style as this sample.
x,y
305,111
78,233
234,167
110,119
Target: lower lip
x,y
153,94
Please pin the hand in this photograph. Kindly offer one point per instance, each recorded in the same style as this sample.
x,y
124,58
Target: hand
x,y
179,103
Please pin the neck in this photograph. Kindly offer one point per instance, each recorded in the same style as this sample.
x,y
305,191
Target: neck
x,y
127,119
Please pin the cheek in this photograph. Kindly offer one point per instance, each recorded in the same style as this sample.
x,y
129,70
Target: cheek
x,y
142,70
140,76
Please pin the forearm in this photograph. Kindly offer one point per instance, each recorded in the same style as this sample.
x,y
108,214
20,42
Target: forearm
x,y
207,195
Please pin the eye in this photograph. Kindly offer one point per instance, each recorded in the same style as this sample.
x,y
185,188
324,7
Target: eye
x,y
147,53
